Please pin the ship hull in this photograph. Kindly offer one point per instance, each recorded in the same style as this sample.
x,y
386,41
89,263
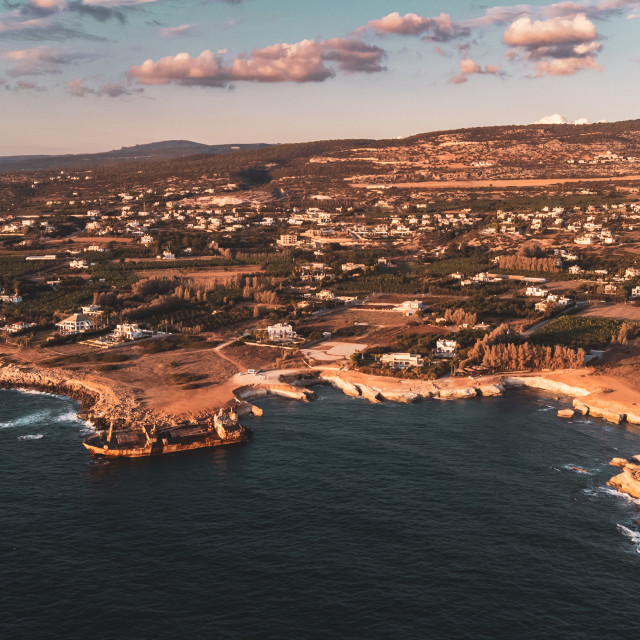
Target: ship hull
x,y
158,449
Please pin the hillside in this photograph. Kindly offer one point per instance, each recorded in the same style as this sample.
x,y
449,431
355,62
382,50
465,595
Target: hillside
x,y
141,152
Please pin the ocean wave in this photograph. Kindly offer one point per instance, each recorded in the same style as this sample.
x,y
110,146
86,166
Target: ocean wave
x,y
25,421
610,491
36,436
632,536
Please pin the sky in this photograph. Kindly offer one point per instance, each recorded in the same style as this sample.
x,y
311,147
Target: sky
x,y
93,75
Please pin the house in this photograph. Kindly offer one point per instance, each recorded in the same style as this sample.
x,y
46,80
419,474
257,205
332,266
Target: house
x,y
167,255
326,295
18,326
92,310
78,264
288,240
127,332
13,298
410,307
402,360
575,270
446,348
536,292
635,293
77,323
281,333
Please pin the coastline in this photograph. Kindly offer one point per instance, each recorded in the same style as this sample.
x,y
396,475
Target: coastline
x,y
105,404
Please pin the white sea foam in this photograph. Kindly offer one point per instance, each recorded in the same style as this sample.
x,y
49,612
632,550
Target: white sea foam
x,y
25,421
37,436
610,491
633,536
578,469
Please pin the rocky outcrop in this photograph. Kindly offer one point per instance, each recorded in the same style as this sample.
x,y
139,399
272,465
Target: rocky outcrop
x,y
629,480
370,394
283,390
456,394
610,415
543,384
581,408
618,462
566,413
348,388
491,390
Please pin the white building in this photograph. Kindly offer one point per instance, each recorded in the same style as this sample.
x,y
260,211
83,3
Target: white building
x,y
446,348
288,240
127,332
77,323
13,298
635,293
78,264
410,307
536,292
281,333
402,360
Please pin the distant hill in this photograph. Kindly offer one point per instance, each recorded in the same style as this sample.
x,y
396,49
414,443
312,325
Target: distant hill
x,y
166,150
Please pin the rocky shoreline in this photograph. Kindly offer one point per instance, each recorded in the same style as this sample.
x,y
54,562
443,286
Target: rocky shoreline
x,y
106,405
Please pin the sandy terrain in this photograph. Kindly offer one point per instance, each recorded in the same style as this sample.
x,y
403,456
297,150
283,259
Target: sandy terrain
x,y
334,351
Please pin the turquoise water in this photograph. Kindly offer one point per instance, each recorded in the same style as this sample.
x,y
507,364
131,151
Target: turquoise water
x,y
339,519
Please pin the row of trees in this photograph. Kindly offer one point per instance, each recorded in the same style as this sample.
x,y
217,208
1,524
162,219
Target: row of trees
x,y
519,262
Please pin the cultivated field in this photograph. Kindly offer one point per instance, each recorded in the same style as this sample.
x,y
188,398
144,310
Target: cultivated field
x,y
620,311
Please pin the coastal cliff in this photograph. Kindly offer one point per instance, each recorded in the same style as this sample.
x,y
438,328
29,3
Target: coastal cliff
x,y
628,481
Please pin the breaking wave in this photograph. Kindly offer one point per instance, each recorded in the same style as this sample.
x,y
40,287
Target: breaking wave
x,y
37,436
631,535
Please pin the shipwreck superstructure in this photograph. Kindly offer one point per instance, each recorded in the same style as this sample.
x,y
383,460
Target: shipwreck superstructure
x,y
222,429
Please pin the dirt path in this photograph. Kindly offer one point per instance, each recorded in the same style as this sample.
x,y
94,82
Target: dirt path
x,y
478,184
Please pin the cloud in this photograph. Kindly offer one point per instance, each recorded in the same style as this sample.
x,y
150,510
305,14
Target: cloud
x,y
525,32
469,67
182,30
567,66
305,61
78,89
595,10
23,85
96,11
558,46
39,60
439,29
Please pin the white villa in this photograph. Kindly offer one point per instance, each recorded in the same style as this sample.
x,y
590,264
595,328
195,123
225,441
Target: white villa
x,y
635,293
281,333
536,292
446,348
77,323
127,332
402,360
15,298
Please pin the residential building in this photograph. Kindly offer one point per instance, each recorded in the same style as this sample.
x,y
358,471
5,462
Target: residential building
x,y
281,333
77,323
402,360
446,348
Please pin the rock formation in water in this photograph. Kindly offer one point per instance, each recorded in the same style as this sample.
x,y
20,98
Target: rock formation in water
x,y
629,480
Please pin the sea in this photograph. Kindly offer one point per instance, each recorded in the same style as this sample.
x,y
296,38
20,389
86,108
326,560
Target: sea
x,y
479,519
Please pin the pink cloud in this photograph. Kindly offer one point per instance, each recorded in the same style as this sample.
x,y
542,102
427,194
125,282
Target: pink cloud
x,y
567,66
305,61
440,28
470,67
525,32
